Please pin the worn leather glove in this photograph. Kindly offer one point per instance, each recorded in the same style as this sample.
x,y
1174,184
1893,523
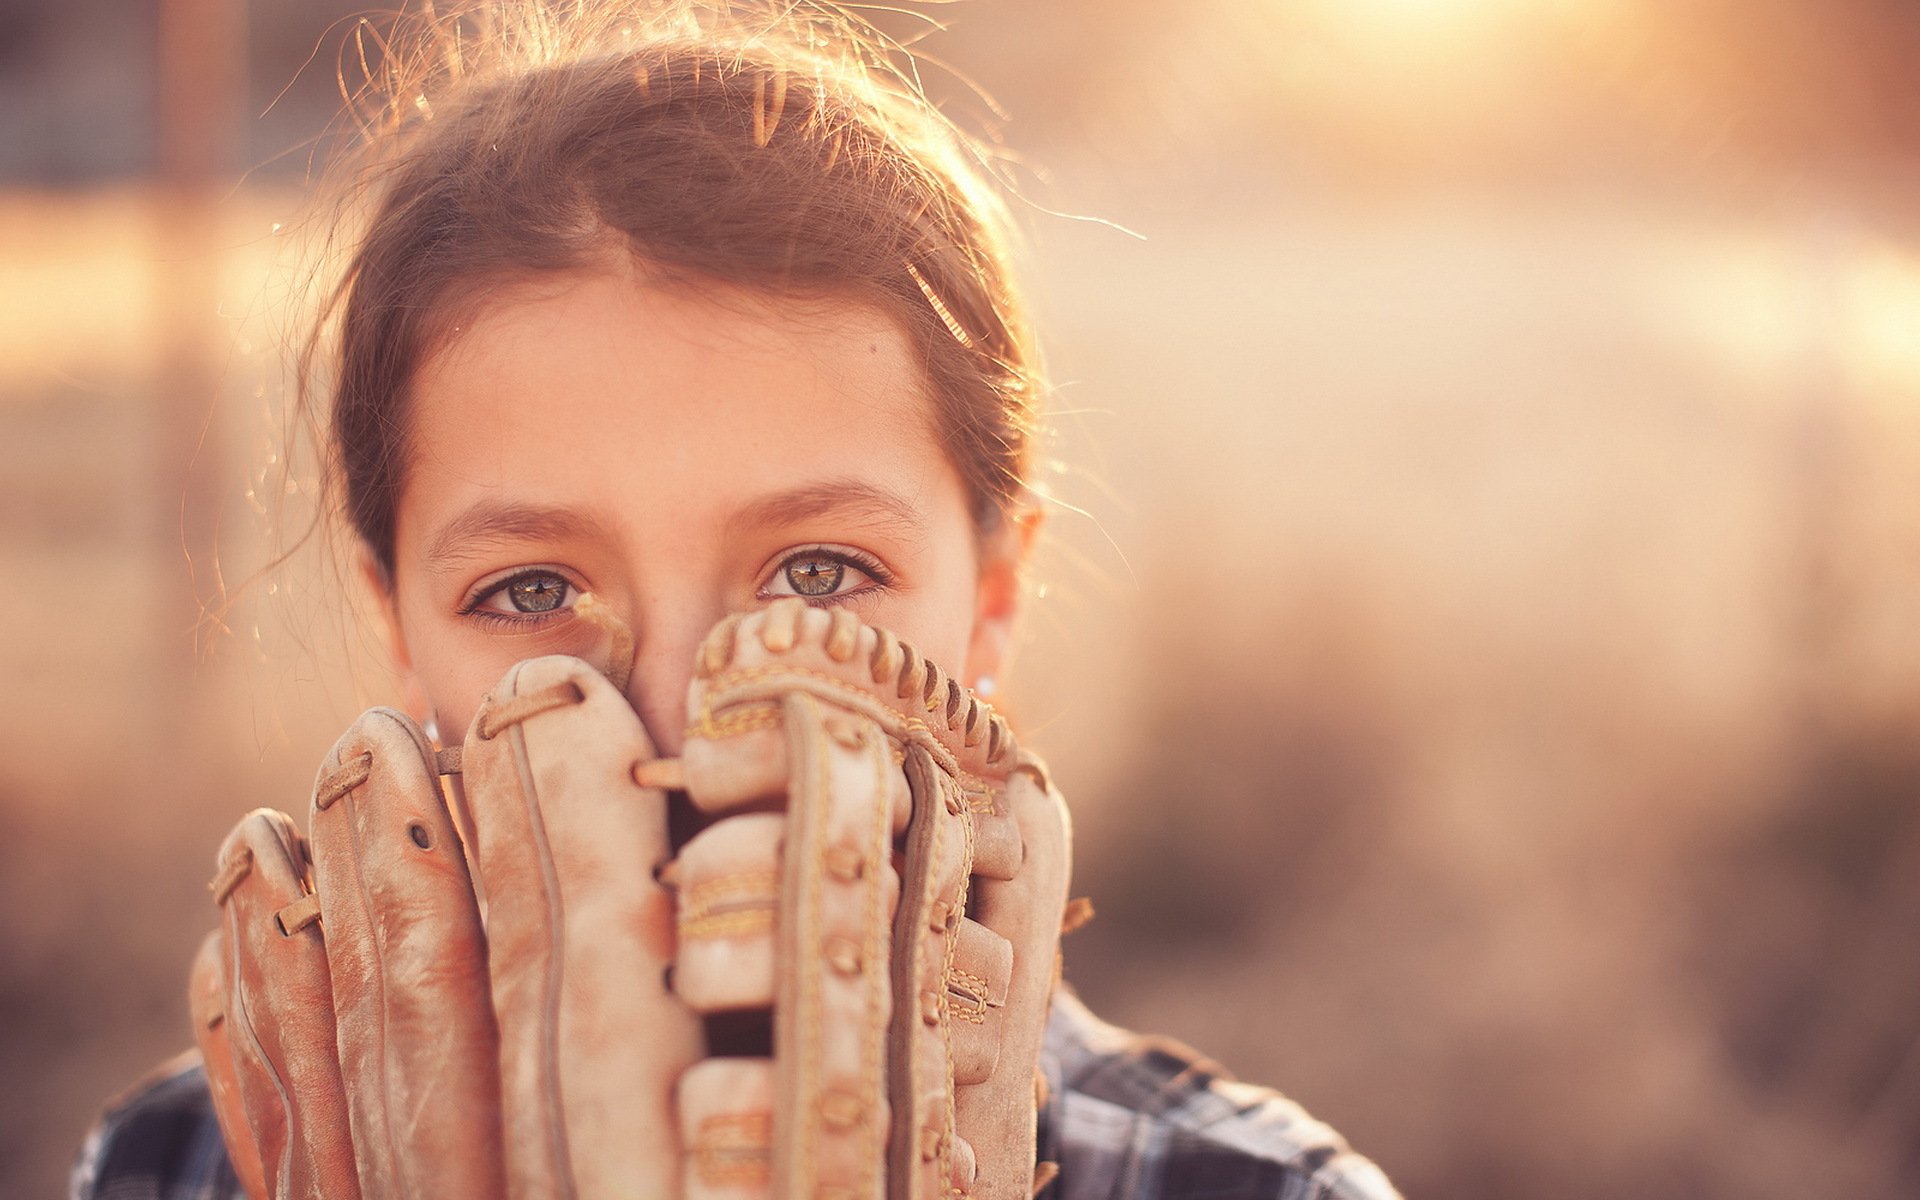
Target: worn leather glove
x,y
517,985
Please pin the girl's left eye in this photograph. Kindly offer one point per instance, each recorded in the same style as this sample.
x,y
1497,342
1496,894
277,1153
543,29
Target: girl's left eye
x,y
820,574
528,595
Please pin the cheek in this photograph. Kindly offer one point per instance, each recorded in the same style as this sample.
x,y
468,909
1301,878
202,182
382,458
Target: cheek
x,y
454,685
948,645
452,679
938,616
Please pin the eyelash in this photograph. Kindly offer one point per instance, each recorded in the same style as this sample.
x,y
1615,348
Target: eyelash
x,y
514,621
859,560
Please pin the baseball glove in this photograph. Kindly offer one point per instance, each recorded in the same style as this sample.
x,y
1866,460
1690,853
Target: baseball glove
x,y
811,957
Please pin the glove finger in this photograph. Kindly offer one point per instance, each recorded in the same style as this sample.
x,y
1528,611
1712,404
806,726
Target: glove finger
x,y
995,1115
742,758
279,1009
580,935
969,997
727,889
726,1125
727,893
408,962
834,948
976,996
924,1157
207,1001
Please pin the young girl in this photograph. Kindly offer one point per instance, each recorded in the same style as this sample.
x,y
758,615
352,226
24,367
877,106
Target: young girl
x,y
693,320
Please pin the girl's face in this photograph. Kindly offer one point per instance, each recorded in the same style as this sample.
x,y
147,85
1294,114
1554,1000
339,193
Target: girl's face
x,y
683,454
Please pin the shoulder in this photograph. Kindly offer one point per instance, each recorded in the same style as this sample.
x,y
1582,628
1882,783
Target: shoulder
x,y
1138,1118
158,1140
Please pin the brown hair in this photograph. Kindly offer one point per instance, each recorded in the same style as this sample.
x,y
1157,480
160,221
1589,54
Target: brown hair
x,y
796,157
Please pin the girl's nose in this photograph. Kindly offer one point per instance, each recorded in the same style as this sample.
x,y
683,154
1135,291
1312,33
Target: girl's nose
x,y
664,645
658,692
648,654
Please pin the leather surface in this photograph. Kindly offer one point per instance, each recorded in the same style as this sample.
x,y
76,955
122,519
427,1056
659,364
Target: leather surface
x,y
408,964
280,1018
207,1002
996,1115
922,1158
726,1125
591,1040
495,986
793,707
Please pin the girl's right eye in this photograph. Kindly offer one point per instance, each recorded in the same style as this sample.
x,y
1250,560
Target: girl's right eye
x,y
530,595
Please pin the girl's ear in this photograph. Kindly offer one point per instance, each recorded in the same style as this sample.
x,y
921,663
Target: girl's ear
x,y
1004,555
379,585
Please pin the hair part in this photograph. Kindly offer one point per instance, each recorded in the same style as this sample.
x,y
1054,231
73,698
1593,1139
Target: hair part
x,y
792,154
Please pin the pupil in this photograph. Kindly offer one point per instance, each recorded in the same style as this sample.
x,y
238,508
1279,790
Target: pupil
x,y
537,593
815,576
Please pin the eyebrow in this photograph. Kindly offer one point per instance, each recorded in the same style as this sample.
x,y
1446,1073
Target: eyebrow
x,y
489,524
871,504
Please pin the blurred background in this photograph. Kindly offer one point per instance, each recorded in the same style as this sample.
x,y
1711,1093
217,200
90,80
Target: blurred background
x,y
1478,637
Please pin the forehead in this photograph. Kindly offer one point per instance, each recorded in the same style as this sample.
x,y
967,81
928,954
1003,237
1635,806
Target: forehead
x,y
603,389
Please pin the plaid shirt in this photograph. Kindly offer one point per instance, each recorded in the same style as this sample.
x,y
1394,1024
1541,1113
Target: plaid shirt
x,y
1128,1118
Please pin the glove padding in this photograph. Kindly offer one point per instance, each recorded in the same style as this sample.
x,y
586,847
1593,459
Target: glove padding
x,y
412,1051
511,1003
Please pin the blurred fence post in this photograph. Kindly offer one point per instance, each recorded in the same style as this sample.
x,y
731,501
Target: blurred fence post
x,y
202,112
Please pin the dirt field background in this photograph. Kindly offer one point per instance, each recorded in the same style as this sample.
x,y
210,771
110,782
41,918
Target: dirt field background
x,y
1477,638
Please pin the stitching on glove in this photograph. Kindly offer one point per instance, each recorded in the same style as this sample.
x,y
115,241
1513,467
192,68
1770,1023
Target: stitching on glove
x,y
803,823
739,888
789,678
893,665
965,985
730,905
735,1148
739,719
879,931
967,996
737,922
950,937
